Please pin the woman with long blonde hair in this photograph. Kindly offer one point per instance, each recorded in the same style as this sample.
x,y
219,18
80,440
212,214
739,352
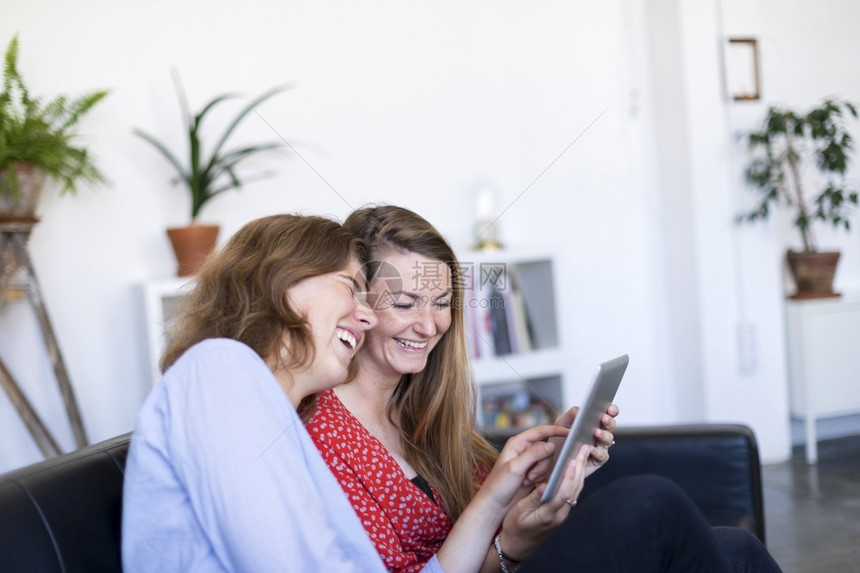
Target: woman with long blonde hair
x,y
401,441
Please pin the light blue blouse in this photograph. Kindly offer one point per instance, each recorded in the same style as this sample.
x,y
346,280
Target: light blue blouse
x,y
222,476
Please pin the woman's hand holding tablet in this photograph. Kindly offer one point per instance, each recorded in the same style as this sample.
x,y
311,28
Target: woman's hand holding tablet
x,y
607,378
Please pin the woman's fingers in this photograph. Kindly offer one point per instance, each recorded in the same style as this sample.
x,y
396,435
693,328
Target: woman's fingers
x,y
507,479
525,439
598,456
530,521
542,432
557,508
567,418
613,410
607,422
572,481
540,471
603,438
534,454
528,450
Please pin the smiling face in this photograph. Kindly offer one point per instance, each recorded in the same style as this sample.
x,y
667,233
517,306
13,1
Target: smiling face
x,y
413,312
338,323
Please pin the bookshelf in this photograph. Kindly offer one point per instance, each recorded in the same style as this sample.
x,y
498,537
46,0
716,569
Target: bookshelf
x,y
514,338
161,300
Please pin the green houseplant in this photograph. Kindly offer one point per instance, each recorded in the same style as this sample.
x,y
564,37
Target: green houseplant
x,y
206,175
37,139
786,142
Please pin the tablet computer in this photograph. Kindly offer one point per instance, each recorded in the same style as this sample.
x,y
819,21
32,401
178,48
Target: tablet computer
x,y
604,385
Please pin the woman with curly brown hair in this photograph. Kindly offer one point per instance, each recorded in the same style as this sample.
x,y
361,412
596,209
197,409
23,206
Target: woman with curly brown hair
x,y
221,475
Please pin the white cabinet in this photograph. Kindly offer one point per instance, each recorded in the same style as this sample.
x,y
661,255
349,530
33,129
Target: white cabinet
x,y
514,338
161,300
823,339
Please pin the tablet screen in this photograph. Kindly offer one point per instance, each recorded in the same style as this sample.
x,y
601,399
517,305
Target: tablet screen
x,y
604,385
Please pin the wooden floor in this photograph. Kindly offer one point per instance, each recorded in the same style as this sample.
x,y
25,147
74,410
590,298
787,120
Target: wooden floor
x,y
813,512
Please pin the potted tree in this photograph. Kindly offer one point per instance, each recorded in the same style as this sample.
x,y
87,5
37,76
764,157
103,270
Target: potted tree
x,y
206,175
37,139
779,151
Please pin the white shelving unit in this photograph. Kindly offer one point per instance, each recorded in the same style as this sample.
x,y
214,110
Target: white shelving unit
x,y
823,337
161,300
524,386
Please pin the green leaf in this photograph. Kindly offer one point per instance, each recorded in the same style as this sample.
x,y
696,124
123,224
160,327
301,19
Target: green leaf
x,y
245,111
779,152
207,175
183,100
44,134
165,152
246,152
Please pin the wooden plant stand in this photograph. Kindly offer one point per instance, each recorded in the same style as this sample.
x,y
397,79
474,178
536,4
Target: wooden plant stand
x,y
14,235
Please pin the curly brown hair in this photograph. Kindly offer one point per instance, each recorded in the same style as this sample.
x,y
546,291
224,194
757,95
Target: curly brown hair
x,y
240,291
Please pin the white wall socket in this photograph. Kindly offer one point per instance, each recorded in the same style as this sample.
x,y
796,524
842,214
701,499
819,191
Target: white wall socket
x,y
747,348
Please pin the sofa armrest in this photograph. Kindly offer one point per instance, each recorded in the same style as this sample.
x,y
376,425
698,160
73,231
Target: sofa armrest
x,y
64,514
716,464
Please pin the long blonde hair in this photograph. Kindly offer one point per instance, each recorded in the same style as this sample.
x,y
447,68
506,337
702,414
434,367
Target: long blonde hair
x,y
434,409
240,291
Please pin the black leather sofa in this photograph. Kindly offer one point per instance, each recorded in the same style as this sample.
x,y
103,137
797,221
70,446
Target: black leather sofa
x,y
717,465
64,514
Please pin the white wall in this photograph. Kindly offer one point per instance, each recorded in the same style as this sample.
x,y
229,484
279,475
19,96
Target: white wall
x,y
412,104
669,155
724,289
807,54
739,272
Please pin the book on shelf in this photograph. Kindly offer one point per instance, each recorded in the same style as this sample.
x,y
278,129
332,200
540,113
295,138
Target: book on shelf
x,y
516,410
521,335
479,326
470,314
497,318
499,304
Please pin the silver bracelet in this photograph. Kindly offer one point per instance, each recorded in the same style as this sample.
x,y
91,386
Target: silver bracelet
x,y
497,542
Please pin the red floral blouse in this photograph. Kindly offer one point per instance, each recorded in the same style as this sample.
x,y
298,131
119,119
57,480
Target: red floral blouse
x,y
406,527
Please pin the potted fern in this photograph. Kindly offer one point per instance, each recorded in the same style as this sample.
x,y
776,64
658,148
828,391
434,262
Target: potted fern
x,y
779,151
206,175
37,140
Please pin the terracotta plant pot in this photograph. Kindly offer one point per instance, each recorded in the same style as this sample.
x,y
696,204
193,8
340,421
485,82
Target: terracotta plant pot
x,y
192,245
813,273
31,181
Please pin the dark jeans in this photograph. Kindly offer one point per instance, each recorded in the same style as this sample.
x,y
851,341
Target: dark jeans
x,y
646,524
746,553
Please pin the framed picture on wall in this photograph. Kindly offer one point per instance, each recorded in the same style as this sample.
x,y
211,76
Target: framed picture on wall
x,y
742,69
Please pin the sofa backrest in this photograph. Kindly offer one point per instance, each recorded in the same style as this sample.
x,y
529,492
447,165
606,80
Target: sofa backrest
x,y
64,514
717,465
